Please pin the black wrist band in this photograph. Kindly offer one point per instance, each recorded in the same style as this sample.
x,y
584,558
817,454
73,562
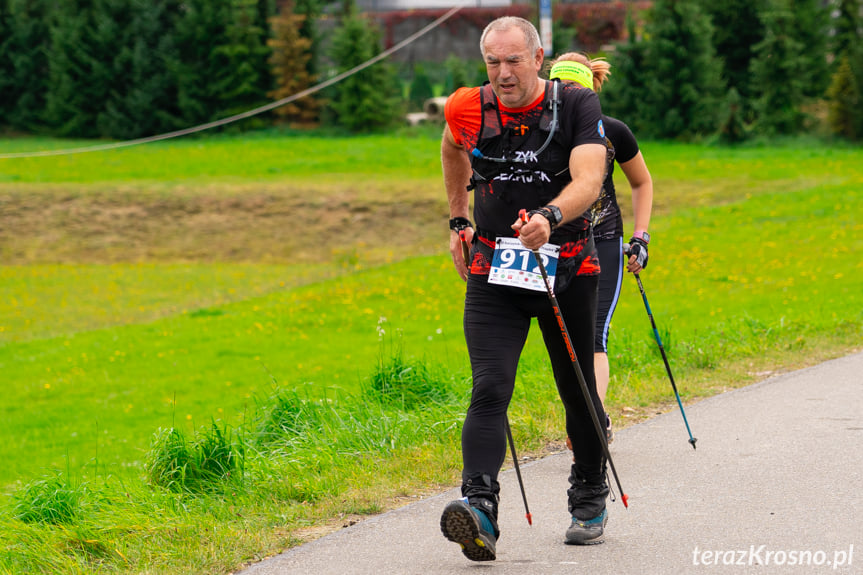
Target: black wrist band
x,y
459,223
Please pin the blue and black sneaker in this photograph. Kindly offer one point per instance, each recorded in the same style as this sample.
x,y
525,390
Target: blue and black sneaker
x,y
587,531
471,528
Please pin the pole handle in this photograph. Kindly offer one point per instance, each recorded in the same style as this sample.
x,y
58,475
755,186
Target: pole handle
x,y
465,250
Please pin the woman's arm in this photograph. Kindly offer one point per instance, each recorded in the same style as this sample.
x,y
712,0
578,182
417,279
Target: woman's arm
x,y
639,179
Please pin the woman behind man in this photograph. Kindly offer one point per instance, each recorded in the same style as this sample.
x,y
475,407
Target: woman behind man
x,y
578,69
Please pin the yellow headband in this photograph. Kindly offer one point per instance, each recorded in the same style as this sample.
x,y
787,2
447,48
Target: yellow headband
x,y
572,72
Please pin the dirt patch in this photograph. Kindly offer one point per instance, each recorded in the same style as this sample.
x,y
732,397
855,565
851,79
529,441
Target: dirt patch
x,y
277,224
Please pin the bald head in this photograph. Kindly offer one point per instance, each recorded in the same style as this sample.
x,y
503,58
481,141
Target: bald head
x,y
506,23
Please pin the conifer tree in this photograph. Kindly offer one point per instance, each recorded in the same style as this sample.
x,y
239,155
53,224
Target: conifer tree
x,y
457,74
420,88
310,10
847,28
811,29
288,60
28,45
844,97
78,75
8,90
732,127
682,74
856,63
624,95
200,29
562,38
365,101
142,91
266,9
737,28
238,82
778,72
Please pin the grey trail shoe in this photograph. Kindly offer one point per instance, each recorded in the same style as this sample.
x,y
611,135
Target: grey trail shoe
x,y
587,532
587,495
472,529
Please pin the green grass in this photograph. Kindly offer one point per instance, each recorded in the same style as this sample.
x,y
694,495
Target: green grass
x,y
269,156
38,302
212,362
204,413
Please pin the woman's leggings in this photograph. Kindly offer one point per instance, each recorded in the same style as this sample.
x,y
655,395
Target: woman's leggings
x,y
496,323
611,259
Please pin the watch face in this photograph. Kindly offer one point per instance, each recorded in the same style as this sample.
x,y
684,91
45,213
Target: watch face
x,y
646,237
558,215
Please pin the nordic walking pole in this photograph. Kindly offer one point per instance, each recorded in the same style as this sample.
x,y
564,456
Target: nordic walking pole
x,y
465,250
581,381
692,440
527,514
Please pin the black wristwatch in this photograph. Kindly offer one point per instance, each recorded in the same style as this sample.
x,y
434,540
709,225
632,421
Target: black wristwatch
x,y
556,214
550,213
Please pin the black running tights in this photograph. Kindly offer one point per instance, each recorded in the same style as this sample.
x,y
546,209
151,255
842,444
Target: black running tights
x,y
496,323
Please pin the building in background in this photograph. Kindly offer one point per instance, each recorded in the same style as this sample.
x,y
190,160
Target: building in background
x,y
597,24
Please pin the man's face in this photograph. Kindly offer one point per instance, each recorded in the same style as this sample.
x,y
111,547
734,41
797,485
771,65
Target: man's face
x,y
512,69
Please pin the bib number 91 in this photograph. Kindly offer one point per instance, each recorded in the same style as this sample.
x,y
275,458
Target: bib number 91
x,y
515,265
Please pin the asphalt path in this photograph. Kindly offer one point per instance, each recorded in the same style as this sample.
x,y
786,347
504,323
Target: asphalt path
x,y
775,486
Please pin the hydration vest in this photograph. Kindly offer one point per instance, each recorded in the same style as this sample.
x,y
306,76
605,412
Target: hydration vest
x,y
507,172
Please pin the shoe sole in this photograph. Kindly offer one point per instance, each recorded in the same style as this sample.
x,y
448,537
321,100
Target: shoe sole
x,y
595,541
458,525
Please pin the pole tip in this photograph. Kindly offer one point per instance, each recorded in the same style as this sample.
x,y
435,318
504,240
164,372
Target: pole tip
x,y
625,499
529,518
692,442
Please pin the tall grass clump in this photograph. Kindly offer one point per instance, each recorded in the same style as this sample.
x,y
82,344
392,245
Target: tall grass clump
x,y
214,458
52,500
408,383
322,456
320,432
285,417
314,448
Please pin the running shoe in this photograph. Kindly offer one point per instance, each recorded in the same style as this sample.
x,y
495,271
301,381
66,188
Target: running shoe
x,y
471,528
587,532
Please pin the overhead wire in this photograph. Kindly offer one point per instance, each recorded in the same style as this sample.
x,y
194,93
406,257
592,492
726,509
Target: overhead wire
x,y
249,113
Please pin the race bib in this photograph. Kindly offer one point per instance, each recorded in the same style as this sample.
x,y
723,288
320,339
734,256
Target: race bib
x,y
515,265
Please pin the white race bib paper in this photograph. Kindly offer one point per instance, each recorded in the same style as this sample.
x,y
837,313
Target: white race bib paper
x,y
515,265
